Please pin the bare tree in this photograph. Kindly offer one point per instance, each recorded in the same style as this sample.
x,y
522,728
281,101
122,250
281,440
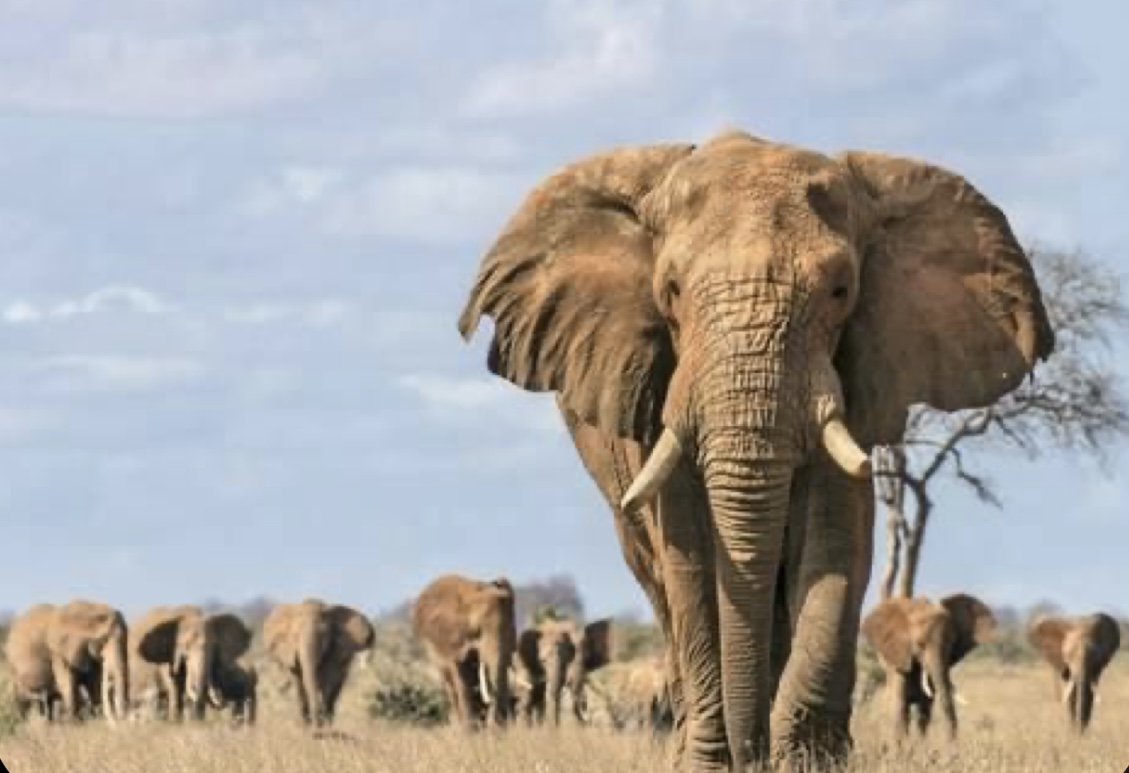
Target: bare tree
x,y
1073,403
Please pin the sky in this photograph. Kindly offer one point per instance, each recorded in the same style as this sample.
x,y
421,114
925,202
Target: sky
x,y
235,239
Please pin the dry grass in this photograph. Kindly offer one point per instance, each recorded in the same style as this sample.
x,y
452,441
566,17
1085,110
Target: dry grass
x,y
1010,724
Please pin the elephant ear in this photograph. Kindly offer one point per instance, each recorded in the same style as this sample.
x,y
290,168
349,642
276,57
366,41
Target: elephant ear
x,y
529,652
279,637
568,284
83,628
231,635
158,643
972,624
350,628
887,628
949,313
596,644
1046,636
1106,640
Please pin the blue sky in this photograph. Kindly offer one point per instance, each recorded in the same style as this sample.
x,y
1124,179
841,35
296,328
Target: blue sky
x,y
235,243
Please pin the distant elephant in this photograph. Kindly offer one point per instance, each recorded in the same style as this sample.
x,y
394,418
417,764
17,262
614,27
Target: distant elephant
x,y
316,643
56,652
729,328
556,656
918,642
238,686
176,652
468,630
640,694
1078,650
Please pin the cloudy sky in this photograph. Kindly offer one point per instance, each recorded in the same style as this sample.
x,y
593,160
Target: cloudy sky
x,y
235,242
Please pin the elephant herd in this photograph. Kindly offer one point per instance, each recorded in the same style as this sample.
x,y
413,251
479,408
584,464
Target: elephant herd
x,y
918,641
76,658
82,657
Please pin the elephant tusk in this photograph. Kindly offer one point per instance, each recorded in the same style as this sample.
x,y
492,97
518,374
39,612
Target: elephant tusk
x,y
484,684
844,450
216,698
959,699
660,464
925,685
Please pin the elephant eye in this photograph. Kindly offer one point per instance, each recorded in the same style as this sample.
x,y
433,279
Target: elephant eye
x,y
839,293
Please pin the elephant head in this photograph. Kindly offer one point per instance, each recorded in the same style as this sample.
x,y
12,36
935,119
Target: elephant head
x,y
918,642
89,640
467,627
742,308
189,644
558,655
1078,650
317,641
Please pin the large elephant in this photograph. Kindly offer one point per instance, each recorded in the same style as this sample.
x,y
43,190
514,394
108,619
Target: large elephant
x,y
728,329
177,651
468,629
316,643
1078,650
556,656
918,642
55,652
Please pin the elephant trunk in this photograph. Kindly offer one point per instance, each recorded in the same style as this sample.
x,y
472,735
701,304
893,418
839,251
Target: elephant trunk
x,y
115,677
749,414
494,672
935,674
1083,694
198,670
554,688
309,657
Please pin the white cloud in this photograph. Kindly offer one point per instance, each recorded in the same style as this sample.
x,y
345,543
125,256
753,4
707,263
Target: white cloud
x,y
318,314
468,400
605,46
183,60
22,423
112,299
292,185
118,373
429,205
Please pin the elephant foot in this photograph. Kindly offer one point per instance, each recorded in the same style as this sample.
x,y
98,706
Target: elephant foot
x,y
811,743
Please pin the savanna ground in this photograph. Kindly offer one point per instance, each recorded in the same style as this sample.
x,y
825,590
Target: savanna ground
x,y
1010,723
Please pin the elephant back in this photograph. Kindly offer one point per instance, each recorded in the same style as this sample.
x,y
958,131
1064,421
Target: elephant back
x,y
26,648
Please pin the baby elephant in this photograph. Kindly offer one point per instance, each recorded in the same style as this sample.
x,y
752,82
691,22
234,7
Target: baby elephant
x,y
1078,650
554,657
918,641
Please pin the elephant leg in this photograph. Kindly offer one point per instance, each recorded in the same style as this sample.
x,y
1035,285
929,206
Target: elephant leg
x,y
613,464
468,707
897,694
303,697
924,715
332,679
691,589
812,712
67,686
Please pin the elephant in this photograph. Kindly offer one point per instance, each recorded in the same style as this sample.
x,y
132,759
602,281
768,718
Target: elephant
x,y
729,328
57,651
1078,650
918,642
176,652
316,643
558,655
237,684
467,627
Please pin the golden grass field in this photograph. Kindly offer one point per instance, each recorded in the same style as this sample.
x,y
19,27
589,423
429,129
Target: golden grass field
x,y
1011,723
